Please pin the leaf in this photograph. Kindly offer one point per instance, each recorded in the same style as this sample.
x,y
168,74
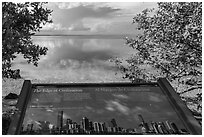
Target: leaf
x,y
17,28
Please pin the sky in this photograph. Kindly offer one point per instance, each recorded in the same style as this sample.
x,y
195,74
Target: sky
x,y
83,59
93,17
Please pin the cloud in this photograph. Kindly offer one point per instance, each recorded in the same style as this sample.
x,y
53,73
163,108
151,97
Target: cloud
x,y
94,17
115,25
110,108
115,105
73,59
78,27
53,26
75,50
155,98
120,96
95,45
97,24
70,5
150,97
49,110
139,110
131,8
69,16
125,6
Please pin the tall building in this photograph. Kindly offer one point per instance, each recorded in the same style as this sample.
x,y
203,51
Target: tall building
x,y
99,127
103,126
140,118
96,126
164,128
170,130
44,125
151,127
68,123
160,129
168,125
175,128
85,123
144,126
113,123
29,127
155,127
60,119
74,125
110,129
114,129
91,126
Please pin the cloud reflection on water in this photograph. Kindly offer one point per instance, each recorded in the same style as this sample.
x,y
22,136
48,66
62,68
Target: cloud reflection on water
x,y
75,59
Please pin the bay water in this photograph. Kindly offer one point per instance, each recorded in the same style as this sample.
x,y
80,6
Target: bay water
x,y
76,59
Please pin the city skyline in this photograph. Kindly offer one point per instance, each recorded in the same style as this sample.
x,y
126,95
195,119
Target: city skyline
x,y
86,126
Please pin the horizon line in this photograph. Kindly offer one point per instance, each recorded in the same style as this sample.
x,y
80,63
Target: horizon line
x,y
81,34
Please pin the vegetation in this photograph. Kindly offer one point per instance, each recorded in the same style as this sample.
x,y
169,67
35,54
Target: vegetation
x,y
170,45
20,21
6,120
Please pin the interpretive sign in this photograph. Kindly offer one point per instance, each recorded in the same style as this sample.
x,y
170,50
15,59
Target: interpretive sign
x,y
102,108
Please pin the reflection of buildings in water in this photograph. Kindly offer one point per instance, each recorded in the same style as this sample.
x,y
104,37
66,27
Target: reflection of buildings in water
x,y
86,126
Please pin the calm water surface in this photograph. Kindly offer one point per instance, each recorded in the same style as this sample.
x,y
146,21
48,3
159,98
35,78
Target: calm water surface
x,y
76,59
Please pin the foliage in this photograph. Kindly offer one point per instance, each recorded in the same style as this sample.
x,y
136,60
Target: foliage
x,y
169,45
20,21
6,119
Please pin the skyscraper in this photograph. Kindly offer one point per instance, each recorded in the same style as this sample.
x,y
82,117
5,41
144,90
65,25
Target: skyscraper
x,y
85,123
29,127
170,130
96,126
91,125
68,123
144,126
103,127
110,129
175,128
60,119
113,123
164,128
140,118
155,127
160,129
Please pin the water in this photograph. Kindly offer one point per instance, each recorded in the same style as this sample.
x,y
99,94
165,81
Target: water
x,y
76,59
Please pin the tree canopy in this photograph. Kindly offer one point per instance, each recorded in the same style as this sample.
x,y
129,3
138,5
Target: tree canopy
x,y
20,21
169,45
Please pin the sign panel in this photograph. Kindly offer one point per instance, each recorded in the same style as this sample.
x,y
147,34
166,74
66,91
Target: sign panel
x,y
117,108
